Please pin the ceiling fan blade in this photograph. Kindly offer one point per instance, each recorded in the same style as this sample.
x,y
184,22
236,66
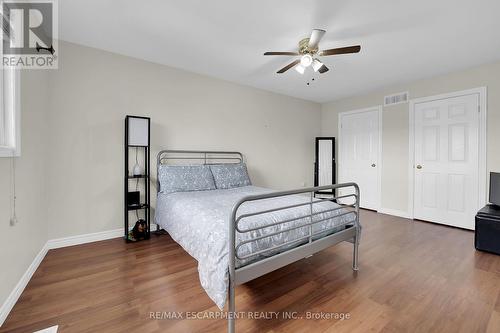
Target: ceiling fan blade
x,y
340,50
282,53
323,69
316,36
287,67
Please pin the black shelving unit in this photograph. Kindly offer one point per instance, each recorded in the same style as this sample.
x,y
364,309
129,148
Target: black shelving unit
x,y
145,205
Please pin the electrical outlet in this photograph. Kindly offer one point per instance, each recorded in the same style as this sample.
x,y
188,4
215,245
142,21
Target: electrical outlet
x,y
303,184
13,221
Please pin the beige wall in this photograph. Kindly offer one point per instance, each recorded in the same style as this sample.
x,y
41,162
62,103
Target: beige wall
x,y
396,123
22,242
92,92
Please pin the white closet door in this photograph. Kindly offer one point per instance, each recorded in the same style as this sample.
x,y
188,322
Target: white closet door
x,y
359,146
447,160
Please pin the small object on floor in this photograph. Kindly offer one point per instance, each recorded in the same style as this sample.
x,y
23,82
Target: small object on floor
x,y
52,329
160,232
139,231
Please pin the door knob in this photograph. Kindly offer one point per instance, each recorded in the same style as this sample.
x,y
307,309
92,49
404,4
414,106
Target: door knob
x,y
374,165
419,166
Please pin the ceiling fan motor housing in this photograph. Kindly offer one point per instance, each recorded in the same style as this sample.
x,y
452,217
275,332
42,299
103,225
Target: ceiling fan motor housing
x,y
304,47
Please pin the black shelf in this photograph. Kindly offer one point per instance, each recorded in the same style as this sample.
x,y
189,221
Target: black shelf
x,y
145,195
128,240
136,207
138,177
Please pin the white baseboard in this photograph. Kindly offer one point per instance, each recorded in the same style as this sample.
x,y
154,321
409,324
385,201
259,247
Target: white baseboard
x,y
23,282
395,212
51,244
82,239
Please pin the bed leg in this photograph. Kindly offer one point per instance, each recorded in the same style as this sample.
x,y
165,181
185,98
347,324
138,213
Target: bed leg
x,y
355,256
231,315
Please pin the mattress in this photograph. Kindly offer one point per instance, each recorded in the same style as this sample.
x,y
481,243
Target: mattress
x,y
199,222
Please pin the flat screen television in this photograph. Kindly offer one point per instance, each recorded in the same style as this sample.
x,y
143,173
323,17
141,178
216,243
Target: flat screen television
x,y
495,188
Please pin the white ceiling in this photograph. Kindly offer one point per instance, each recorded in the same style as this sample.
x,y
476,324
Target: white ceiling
x,y
401,40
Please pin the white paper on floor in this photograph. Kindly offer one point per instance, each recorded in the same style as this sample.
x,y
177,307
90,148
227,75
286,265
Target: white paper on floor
x,y
52,329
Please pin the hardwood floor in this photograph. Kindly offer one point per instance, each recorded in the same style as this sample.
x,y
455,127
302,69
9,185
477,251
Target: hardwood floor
x,y
414,277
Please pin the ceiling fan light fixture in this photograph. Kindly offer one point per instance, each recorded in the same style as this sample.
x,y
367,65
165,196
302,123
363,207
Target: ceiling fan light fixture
x,y
306,60
299,68
308,49
316,64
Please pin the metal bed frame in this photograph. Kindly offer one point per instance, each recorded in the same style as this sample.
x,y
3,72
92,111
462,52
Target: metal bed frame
x,y
306,246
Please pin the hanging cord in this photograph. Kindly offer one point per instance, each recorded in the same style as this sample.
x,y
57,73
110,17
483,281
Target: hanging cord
x,y
137,181
136,188
13,219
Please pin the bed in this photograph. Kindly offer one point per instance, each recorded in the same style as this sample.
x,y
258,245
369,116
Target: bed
x,y
240,233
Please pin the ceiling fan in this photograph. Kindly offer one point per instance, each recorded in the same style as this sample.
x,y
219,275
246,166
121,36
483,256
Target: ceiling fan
x,y
309,51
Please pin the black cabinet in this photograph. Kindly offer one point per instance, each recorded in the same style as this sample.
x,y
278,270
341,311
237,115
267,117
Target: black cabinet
x,y
487,234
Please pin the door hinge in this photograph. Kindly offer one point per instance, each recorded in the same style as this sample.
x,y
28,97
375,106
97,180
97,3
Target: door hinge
x,y
479,108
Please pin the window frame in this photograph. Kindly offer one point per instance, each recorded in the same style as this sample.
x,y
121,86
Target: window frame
x,y
11,112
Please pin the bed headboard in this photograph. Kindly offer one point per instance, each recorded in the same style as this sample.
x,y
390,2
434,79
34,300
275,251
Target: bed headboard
x,y
184,157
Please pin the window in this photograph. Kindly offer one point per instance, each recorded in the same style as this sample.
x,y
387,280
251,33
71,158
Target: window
x,y
10,135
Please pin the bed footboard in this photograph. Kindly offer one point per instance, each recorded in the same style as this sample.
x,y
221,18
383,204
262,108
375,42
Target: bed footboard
x,y
308,244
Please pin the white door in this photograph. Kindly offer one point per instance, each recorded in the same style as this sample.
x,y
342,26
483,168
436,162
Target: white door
x,y
447,160
359,153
